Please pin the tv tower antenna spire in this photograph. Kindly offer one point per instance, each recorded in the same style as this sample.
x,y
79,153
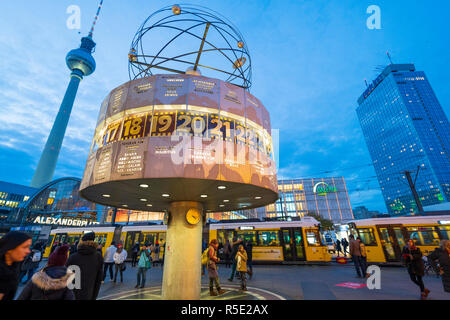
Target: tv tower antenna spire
x,y
96,18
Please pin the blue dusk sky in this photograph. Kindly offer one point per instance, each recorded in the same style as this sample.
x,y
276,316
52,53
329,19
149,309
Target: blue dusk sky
x,y
309,58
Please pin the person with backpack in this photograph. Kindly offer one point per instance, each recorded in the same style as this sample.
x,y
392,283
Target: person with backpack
x,y
108,260
144,263
90,263
14,247
119,260
241,266
213,275
412,257
50,283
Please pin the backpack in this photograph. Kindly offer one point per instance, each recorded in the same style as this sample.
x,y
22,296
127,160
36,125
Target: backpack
x,y
144,262
205,257
36,256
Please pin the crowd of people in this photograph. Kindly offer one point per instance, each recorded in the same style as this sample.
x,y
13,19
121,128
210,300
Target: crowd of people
x,y
237,255
19,264
20,259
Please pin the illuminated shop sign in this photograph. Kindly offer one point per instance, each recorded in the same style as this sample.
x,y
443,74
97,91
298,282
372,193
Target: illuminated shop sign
x,y
247,228
63,221
322,188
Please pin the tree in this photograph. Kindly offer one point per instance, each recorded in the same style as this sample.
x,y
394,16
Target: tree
x,y
325,224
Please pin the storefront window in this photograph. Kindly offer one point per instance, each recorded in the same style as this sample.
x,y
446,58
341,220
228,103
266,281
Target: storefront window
x,y
313,238
424,236
268,238
367,236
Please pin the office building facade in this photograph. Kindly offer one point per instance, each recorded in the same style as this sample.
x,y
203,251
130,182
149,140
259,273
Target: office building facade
x,y
406,129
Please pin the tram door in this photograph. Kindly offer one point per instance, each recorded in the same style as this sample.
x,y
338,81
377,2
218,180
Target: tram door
x,y
392,241
130,240
293,245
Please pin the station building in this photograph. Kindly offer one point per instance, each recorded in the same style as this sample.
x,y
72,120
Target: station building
x,y
327,197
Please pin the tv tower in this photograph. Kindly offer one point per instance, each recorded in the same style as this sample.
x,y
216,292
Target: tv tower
x,y
81,63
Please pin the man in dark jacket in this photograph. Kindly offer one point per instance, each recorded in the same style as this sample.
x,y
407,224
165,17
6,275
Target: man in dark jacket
x,y
90,262
412,257
234,250
134,253
50,283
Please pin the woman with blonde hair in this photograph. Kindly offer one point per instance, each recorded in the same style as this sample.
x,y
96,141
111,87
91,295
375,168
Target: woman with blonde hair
x,y
241,266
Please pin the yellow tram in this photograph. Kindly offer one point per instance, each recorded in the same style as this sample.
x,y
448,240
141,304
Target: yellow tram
x,y
277,241
385,237
104,235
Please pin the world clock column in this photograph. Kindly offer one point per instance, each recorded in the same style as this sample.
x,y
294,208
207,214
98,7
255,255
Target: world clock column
x,y
183,250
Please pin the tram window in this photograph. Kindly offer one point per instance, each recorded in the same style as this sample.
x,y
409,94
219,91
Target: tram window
x,y
367,236
268,238
50,240
247,236
313,238
424,236
445,233
224,235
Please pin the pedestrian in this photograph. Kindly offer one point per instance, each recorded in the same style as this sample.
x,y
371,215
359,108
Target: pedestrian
x,y
144,264
14,247
108,260
442,255
100,249
134,253
433,257
119,260
355,253
73,248
412,257
227,253
362,248
213,275
337,246
155,253
241,266
90,263
249,250
344,243
50,283
234,250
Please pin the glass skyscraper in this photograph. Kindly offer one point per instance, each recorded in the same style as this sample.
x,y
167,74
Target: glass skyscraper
x,y
405,128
